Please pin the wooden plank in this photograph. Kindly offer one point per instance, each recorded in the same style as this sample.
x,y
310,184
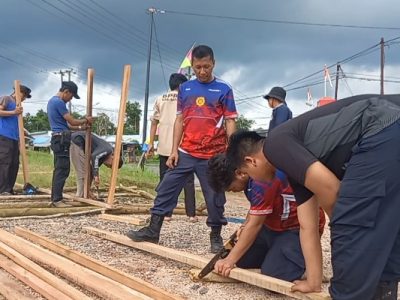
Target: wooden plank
x,y
22,148
39,272
124,219
37,204
120,130
24,197
43,288
43,211
10,288
263,281
73,198
88,138
88,279
95,265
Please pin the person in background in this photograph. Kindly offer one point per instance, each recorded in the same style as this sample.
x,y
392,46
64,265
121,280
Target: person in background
x,y
280,111
101,153
9,139
61,123
164,117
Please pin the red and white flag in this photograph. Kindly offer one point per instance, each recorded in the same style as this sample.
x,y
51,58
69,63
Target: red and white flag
x,y
327,76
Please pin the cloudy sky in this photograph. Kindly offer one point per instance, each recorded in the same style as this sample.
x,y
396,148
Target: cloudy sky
x,y
257,45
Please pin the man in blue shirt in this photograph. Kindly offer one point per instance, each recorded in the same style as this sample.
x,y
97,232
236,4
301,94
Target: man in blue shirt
x,y
9,136
280,111
61,121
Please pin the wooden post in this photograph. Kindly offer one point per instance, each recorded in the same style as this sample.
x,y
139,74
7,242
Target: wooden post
x,y
88,139
21,133
120,130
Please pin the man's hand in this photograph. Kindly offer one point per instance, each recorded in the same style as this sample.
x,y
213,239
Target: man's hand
x,y
224,267
305,287
150,151
96,181
18,110
172,161
89,120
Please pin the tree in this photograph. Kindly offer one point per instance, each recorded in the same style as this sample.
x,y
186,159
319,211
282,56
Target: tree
x,y
133,114
38,122
243,123
102,125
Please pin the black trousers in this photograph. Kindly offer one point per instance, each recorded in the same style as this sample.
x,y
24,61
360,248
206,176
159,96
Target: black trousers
x,y
9,164
188,189
60,145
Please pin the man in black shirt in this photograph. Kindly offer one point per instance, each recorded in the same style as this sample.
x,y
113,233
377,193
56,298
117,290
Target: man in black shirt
x,y
344,157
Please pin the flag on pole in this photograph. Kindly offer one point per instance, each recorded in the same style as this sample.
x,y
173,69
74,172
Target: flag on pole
x,y
187,61
309,100
327,76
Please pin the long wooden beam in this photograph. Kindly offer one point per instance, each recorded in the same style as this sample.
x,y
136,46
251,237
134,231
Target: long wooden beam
x,y
263,281
88,136
43,211
10,288
120,131
124,219
21,132
88,279
41,273
95,265
40,286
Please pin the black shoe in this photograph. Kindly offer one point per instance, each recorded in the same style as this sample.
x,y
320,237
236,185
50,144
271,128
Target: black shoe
x,y
216,239
386,290
149,233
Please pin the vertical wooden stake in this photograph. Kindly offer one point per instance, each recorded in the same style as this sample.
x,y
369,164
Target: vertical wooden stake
x,y
120,130
22,149
88,139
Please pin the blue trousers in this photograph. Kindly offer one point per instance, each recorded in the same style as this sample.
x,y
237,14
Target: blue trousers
x,y
278,254
174,180
365,224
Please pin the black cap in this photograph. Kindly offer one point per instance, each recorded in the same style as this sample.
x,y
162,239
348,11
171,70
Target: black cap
x,y
27,91
72,87
276,92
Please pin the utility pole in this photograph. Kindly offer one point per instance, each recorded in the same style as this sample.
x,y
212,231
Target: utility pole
x,y
66,72
151,11
382,64
337,81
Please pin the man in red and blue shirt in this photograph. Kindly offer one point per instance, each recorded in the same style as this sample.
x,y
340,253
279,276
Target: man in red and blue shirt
x,y
205,119
269,239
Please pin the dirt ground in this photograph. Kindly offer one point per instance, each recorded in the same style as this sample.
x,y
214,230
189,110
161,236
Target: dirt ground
x,y
178,234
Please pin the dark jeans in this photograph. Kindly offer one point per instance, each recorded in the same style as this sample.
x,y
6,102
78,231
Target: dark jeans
x,y
60,145
365,224
174,179
278,254
9,164
188,189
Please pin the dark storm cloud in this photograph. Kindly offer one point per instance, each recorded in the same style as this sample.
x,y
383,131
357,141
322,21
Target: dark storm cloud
x,y
262,53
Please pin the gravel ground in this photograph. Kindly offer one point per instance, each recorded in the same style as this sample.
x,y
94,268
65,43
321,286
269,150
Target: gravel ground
x,y
169,275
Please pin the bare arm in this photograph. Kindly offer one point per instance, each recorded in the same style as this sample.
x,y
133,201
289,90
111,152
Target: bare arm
x,y
8,113
77,122
178,132
247,237
230,125
153,130
325,186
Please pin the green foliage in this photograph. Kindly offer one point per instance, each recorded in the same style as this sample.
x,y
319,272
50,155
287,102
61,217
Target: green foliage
x,y
102,125
243,123
38,122
133,114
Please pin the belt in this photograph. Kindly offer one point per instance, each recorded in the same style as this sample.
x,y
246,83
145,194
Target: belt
x,y
56,133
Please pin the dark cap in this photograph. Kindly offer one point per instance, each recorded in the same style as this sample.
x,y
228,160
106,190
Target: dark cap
x,y
72,87
27,91
276,92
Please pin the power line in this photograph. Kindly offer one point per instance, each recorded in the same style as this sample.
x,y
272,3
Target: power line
x,y
281,22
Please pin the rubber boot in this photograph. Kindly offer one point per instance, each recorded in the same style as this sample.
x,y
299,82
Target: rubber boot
x,y
149,233
216,239
386,290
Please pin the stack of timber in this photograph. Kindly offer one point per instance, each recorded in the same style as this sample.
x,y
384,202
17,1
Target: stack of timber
x,y
34,266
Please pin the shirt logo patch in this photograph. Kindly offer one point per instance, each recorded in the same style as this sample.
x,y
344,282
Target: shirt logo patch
x,y
200,101
214,90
